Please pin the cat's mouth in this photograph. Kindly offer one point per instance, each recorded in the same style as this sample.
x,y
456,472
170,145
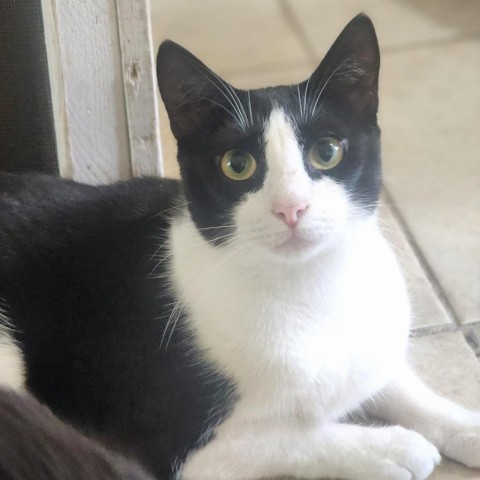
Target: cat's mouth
x,y
296,241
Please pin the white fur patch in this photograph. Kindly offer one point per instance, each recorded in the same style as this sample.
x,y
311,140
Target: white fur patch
x,y
308,328
12,367
287,183
305,342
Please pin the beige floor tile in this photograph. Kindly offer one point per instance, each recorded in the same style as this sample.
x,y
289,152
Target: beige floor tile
x,y
427,309
430,117
456,374
450,470
447,364
399,23
228,35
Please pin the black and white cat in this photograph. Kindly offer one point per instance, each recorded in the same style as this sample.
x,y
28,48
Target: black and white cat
x,y
225,326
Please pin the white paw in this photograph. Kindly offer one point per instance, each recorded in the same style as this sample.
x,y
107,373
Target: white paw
x,y
463,445
403,455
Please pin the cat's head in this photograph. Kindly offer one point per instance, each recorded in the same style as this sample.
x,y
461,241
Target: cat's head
x,y
285,169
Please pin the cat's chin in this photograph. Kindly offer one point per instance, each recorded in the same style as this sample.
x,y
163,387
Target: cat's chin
x,y
298,248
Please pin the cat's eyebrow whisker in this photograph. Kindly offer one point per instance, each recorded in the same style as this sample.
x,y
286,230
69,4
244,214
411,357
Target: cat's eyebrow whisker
x,y
231,96
239,102
299,101
237,115
321,89
250,107
227,110
305,98
222,87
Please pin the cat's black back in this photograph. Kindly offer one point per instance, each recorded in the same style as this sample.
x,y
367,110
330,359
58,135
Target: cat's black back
x,y
81,276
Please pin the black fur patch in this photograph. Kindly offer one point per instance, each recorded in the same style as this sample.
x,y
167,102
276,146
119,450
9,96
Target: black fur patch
x,y
76,267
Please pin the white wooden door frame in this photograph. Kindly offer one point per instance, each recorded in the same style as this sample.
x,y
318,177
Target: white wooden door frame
x,y
102,80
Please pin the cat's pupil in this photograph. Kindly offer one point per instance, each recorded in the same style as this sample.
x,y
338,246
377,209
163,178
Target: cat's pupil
x,y
238,162
325,151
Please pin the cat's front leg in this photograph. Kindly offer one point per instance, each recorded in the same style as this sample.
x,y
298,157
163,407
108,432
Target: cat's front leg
x,y
327,451
454,430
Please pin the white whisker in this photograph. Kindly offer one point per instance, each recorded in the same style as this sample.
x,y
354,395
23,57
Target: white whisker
x,y
299,101
172,321
179,305
250,107
227,110
322,89
305,94
231,96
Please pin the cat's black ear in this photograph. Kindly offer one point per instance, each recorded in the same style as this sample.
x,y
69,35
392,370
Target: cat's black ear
x,y
350,68
189,89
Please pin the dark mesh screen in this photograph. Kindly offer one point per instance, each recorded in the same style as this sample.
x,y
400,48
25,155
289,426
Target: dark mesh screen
x,y
27,139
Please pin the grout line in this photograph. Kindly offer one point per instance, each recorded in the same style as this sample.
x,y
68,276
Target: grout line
x,y
433,330
433,42
297,29
437,288
471,324
472,338
466,330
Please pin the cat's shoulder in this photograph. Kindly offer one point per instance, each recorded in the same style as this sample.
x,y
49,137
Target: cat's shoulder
x,y
46,201
31,191
41,213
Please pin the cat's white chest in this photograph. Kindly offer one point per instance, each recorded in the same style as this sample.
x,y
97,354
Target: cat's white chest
x,y
321,374
311,343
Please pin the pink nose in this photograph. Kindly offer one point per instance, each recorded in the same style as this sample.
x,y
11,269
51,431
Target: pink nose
x,y
290,214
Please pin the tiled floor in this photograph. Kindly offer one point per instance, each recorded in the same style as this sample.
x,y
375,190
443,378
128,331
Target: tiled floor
x,y
430,118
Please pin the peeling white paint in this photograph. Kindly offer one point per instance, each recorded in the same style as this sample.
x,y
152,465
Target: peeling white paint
x,y
102,81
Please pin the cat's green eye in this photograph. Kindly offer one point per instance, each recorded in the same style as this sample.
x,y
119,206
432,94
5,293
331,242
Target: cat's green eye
x,y
238,165
326,153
